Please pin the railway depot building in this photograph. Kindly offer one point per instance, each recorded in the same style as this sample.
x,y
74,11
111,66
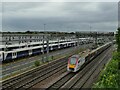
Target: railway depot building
x,y
16,38
9,39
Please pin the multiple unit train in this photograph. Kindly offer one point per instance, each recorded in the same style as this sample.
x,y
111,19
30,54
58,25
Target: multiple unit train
x,y
24,45
7,56
76,61
33,44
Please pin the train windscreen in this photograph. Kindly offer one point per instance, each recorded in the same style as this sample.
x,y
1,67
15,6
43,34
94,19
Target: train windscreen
x,y
73,60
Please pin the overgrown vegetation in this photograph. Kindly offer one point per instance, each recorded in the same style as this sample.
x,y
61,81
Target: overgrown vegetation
x,y
110,76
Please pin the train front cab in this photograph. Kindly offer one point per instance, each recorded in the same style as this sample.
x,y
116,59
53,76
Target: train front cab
x,y
72,63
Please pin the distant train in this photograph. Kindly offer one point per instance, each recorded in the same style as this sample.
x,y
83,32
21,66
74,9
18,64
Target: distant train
x,y
30,44
33,44
7,56
76,61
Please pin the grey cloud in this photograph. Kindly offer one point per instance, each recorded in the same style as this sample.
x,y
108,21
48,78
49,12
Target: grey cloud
x,y
60,16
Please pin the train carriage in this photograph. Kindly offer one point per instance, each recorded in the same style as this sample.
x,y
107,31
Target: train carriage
x,y
28,51
34,50
76,61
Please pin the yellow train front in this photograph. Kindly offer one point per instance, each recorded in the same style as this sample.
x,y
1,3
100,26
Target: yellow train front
x,y
74,63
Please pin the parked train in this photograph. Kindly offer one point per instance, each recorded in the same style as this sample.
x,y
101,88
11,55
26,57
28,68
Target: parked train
x,y
15,53
32,44
76,61
37,48
28,51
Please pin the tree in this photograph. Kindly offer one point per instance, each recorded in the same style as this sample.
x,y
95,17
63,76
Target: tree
x,y
118,39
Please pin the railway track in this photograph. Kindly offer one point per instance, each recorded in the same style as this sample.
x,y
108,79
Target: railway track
x,y
61,81
29,79
79,80
20,66
82,81
70,80
93,77
43,77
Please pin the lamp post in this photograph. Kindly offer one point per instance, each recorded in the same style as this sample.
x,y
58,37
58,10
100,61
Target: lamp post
x,y
43,43
47,42
45,38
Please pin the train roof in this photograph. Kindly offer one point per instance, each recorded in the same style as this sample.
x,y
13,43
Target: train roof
x,y
76,56
84,53
100,47
33,43
35,47
24,44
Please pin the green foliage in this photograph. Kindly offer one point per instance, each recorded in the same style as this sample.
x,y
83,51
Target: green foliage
x,y
110,78
37,63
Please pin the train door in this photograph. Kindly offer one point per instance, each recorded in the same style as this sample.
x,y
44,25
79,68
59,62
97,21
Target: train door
x,y
65,45
14,55
58,46
41,50
30,52
79,63
74,44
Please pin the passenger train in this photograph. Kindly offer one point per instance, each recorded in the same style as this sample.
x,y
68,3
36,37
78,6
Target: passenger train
x,y
16,52
10,55
28,51
75,62
32,44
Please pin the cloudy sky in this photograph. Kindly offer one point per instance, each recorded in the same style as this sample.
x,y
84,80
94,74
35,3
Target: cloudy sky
x,y
59,16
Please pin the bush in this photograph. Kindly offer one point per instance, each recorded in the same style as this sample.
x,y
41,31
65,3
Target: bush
x,y
110,78
37,63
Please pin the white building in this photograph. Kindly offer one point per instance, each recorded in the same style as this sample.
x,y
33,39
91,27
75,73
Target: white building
x,y
8,39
